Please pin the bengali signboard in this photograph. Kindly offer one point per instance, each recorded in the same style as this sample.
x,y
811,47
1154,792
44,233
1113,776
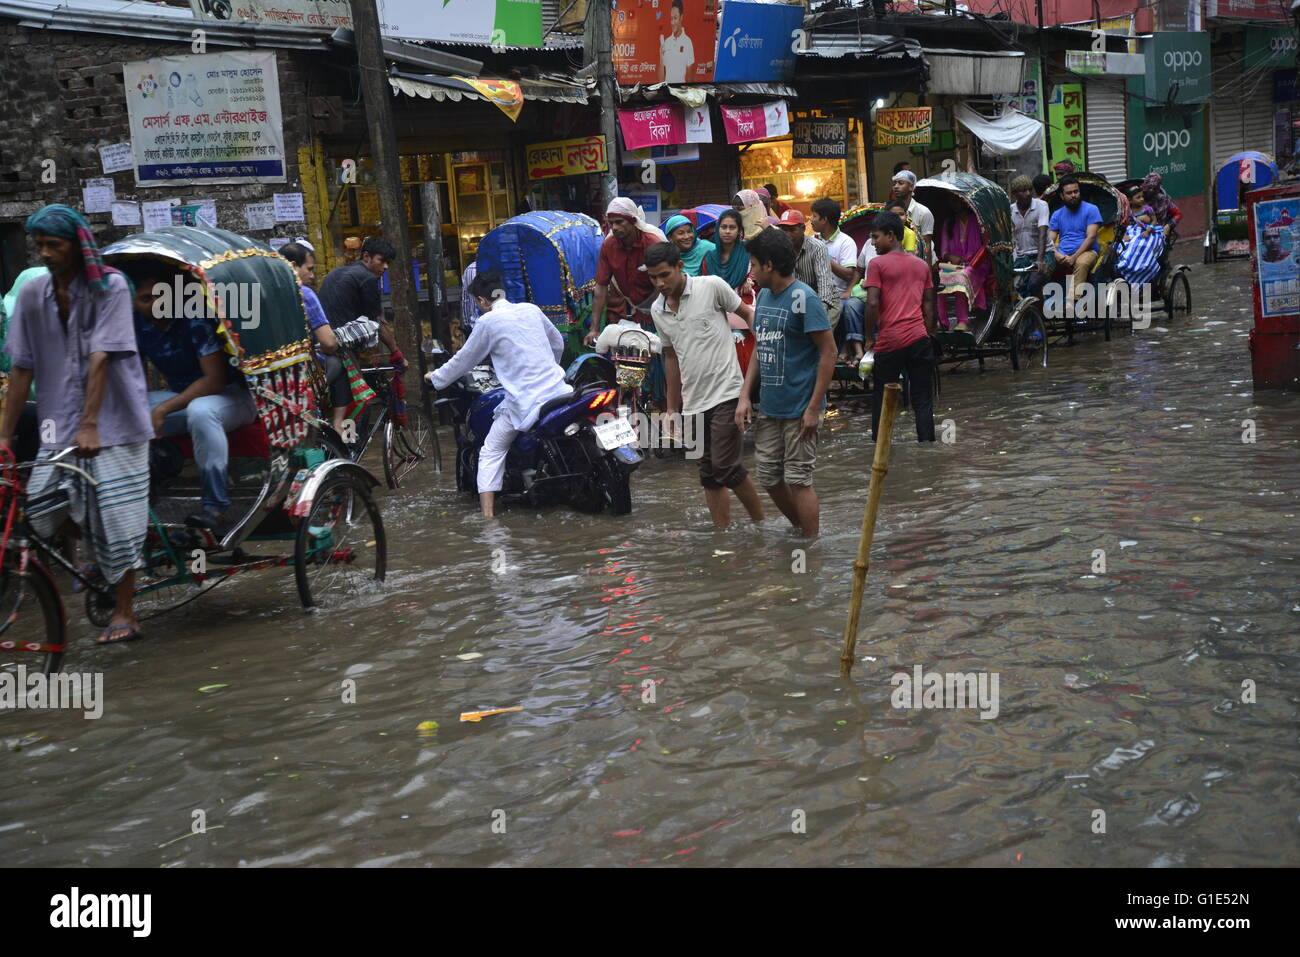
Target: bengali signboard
x,y
211,118
744,124
820,139
653,126
1065,123
1247,9
902,126
566,158
1178,67
657,41
756,42
506,22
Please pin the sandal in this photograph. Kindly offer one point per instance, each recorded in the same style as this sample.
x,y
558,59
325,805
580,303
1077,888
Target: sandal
x,y
88,570
132,632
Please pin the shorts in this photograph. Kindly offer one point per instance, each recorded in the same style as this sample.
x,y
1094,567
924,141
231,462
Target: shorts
x,y
721,467
783,457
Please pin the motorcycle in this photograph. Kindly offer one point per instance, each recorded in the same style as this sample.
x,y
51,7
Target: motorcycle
x,y
581,451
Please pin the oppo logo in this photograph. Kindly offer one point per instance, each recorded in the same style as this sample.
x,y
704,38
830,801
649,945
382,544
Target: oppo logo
x,y
1282,45
1166,141
1182,59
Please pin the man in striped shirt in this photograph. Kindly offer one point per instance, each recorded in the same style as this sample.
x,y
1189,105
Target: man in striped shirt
x,y
812,263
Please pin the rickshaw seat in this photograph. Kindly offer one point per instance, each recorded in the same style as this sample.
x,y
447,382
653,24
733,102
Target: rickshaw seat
x,y
248,441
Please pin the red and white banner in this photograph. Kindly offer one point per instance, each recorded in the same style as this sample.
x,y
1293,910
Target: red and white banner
x,y
653,126
699,128
747,123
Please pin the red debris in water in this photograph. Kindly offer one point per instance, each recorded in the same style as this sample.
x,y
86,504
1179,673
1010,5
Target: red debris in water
x,y
645,637
628,833
689,850
635,744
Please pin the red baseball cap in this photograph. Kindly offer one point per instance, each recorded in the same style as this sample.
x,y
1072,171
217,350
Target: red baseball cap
x,y
791,217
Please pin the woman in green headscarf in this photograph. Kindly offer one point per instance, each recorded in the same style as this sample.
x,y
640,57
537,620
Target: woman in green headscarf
x,y
679,230
728,258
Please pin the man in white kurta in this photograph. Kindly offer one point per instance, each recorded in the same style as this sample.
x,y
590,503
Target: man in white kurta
x,y
525,349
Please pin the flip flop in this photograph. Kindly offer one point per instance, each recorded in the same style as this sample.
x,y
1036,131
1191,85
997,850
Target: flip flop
x,y
87,570
132,633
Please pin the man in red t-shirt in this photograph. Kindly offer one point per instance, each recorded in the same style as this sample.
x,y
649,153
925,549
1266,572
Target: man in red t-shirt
x,y
621,256
900,318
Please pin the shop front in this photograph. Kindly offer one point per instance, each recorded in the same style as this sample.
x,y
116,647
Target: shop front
x,y
799,180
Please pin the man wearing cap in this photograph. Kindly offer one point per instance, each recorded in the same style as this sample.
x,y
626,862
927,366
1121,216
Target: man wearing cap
x,y
622,256
1063,169
812,262
921,217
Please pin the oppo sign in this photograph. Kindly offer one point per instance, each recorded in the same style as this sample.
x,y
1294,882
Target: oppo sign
x,y
1163,142
1183,59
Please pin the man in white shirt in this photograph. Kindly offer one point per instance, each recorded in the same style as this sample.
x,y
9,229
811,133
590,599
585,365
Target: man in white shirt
x,y
843,254
704,378
921,217
525,349
1029,223
676,54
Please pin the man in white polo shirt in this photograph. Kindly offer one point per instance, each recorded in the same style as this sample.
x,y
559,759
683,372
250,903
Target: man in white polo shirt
x,y
921,217
704,378
676,54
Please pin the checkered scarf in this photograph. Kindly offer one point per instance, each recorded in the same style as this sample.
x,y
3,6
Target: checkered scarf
x,y
66,223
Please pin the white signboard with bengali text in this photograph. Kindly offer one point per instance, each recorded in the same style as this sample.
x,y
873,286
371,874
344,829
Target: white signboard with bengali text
x,y
291,13
210,118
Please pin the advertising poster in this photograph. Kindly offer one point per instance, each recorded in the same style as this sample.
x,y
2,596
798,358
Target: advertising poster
x,y
745,124
664,41
1170,142
756,42
653,126
904,126
323,14
566,158
1029,100
211,118
1277,256
1065,124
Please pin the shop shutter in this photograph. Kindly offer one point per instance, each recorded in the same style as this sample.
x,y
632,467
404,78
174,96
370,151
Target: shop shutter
x,y
1104,115
1241,108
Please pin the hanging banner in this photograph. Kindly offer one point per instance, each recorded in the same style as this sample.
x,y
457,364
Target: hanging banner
x,y
566,158
501,22
699,126
820,139
756,42
506,94
1065,123
663,41
653,126
745,124
211,118
904,126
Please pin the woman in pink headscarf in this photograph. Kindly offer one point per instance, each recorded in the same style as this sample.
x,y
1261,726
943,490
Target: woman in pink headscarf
x,y
753,212
963,269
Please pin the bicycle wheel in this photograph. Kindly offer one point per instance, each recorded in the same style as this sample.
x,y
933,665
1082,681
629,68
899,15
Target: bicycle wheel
x,y
32,619
407,446
340,547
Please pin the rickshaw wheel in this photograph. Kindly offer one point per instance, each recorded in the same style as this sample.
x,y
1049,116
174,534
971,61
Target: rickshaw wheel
x,y
1028,335
1178,298
407,446
32,611
340,547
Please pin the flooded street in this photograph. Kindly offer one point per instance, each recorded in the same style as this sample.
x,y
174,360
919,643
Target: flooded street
x,y
1120,692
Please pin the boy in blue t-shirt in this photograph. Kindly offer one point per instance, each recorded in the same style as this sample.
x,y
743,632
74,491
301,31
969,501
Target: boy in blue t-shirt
x,y
792,365
1074,230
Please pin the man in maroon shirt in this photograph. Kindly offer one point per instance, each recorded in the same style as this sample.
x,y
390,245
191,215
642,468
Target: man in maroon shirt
x,y
900,318
622,255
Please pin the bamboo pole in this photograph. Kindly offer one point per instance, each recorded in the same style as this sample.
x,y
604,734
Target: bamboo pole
x,y
879,466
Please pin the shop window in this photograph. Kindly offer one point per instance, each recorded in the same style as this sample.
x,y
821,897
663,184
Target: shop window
x,y
798,181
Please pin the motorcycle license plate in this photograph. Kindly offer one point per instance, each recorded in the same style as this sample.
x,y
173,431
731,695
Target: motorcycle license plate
x,y
610,435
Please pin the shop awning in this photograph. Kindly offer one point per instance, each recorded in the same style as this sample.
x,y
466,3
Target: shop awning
x,y
1012,132
444,88
694,94
861,46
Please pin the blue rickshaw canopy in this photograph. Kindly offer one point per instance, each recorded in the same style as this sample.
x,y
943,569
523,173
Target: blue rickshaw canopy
x,y
546,258
1227,181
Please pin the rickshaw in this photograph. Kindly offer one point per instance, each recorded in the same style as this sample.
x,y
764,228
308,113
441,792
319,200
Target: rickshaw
x,y
1010,325
549,259
313,513
1113,206
1227,236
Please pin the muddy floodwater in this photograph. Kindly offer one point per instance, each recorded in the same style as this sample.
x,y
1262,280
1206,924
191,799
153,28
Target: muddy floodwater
x,y
1146,714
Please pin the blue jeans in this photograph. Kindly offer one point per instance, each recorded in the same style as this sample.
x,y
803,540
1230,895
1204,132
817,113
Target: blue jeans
x,y
851,316
208,418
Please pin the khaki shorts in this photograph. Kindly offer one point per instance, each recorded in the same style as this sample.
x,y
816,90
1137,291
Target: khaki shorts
x,y
721,467
783,457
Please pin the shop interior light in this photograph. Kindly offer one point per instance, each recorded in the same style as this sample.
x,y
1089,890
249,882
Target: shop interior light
x,y
879,103
805,185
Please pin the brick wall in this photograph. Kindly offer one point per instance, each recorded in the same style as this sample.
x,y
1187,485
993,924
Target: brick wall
x,y
63,98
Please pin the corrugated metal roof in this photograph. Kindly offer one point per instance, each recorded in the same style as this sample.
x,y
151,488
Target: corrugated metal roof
x,y
449,88
834,45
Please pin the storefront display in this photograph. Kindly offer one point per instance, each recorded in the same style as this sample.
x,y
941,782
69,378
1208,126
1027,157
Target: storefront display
x,y
798,181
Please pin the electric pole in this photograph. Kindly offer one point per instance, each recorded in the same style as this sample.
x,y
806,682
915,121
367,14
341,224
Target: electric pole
x,y
378,97
599,39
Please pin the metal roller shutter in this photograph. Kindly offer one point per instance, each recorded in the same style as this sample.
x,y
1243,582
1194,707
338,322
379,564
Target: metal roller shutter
x,y
1104,115
1241,110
